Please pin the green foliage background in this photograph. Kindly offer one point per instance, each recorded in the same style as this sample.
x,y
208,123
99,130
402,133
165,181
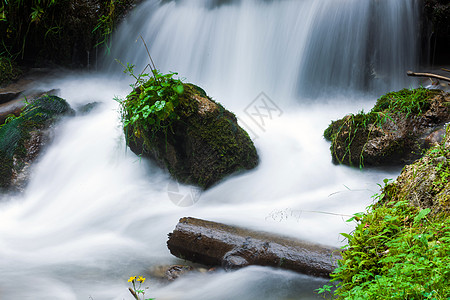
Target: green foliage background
x,y
57,31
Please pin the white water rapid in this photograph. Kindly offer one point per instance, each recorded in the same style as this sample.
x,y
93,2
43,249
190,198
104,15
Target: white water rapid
x,y
94,214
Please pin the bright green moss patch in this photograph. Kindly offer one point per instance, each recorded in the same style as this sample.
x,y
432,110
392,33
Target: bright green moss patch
x,y
407,101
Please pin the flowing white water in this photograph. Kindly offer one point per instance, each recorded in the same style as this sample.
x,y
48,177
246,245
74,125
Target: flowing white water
x,y
94,214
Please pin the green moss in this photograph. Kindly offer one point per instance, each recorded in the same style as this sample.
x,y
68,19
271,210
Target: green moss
x,y
401,245
222,140
45,110
200,145
407,101
349,135
9,71
14,134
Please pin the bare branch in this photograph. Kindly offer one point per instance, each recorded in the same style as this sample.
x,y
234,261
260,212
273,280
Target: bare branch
x,y
430,75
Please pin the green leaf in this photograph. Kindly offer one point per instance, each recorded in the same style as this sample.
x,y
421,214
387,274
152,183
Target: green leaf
x,y
159,105
422,214
348,236
179,89
169,107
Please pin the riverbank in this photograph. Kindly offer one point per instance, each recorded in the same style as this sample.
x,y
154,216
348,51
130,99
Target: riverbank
x,y
400,246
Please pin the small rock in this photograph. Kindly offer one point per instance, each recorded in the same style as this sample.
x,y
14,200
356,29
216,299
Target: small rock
x,y
176,271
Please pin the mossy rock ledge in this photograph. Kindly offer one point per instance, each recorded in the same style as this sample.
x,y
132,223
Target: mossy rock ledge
x,y
426,182
23,137
202,146
397,131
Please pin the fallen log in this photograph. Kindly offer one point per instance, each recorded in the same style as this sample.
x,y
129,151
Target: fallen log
x,y
216,244
430,75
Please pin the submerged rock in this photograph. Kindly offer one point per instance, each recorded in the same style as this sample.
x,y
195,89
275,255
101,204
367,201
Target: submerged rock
x,y
202,146
398,130
22,138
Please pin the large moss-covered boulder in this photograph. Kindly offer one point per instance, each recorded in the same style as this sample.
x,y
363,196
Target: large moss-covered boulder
x,y
22,138
399,128
199,142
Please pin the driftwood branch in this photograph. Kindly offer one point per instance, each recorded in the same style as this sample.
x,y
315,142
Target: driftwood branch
x,y
231,247
430,75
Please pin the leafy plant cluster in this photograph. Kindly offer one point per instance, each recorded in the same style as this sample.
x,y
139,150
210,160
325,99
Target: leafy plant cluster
x,y
397,251
150,107
108,19
360,127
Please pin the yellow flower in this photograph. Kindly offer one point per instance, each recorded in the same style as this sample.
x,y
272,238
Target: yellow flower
x,y
141,279
132,278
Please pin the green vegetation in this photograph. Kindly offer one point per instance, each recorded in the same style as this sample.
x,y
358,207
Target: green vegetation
x,y
349,136
16,131
397,251
59,31
150,107
400,248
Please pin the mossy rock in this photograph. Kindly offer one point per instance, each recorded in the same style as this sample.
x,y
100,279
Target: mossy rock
x,y
22,138
395,132
201,147
426,182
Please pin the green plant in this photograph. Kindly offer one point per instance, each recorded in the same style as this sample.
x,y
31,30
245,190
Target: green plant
x,y
325,290
138,291
398,251
19,17
150,107
107,22
62,31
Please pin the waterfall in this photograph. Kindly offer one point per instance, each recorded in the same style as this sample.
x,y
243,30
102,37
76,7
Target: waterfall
x,y
94,214
294,48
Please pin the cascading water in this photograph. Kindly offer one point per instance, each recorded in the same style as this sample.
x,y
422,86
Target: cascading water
x,y
94,214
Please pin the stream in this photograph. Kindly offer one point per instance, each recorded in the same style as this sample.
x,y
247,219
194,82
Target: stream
x,y
94,213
